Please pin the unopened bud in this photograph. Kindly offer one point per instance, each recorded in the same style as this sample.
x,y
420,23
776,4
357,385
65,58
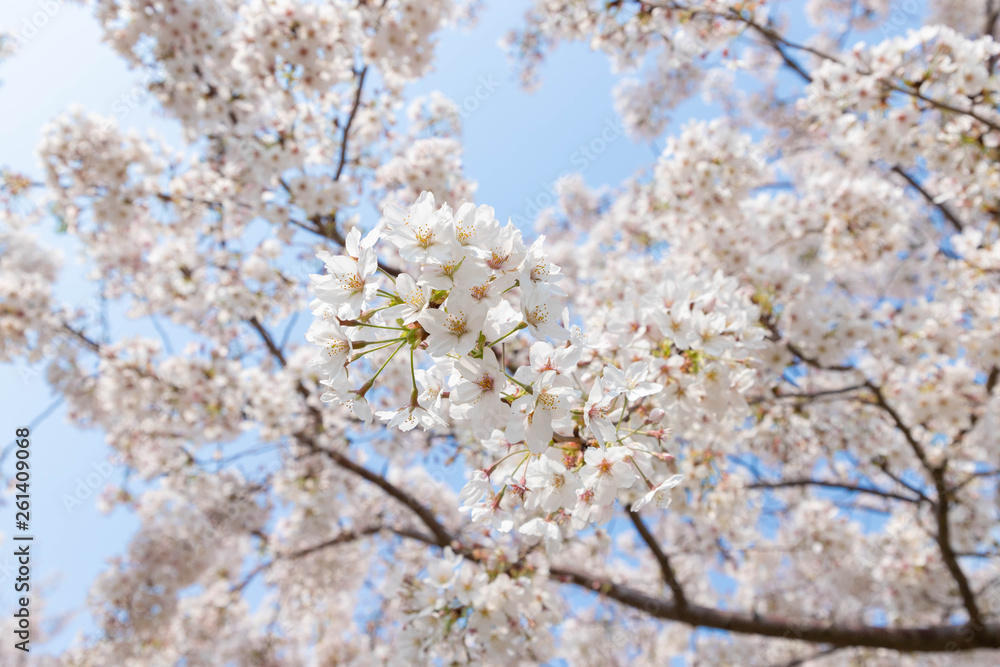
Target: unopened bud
x,y
656,415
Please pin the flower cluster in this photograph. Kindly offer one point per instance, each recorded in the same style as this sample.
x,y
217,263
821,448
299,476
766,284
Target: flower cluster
x,y
8,44
663,42
924,100
565,439
463,613
27,273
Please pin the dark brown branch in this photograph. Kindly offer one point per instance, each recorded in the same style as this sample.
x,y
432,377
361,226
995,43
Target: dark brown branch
x,y
908,640
661,558
944,105
812,361
881,402
808,396
326,227
776,42
941,513
973,477
774,37
992,12
823,392
948,214
948,554
94,346
991,382
884,467
268,340
930,639
350,121
796,662
769,324
442,537
342,538
779,43
844,486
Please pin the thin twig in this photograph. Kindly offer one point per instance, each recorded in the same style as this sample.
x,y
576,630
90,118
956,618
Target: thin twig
x,y
350,121
946,211
843,486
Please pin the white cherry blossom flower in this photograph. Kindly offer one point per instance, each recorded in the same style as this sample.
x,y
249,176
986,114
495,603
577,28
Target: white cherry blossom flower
x,y
659,495
538,270
450,267
336,346
414,297
349,284
474,227
549,402
476,398
477,488
632,383
545,530
540,310
588,510
419,232
455,327
605,471
505,250
409,417
542,356
551,485
596,413
489,512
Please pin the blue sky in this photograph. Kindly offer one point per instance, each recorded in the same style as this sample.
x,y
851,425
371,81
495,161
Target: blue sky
x,y
516,145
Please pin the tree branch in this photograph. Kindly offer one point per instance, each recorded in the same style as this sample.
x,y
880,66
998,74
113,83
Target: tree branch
x,y
808,396
948,554
948,214
268,340
343,538
923,639
326,227
881,402
992,12
796,662
441,536
844,486
93,345
661,558
884,467
944,105
941,514
776,41
350,121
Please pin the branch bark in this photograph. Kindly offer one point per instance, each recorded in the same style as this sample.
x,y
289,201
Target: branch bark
x,y
350,121
844,486
948,214
945,638
661,558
